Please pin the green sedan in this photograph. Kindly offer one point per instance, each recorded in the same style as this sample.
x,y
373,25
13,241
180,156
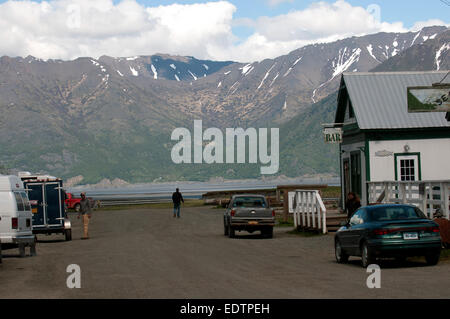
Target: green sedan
x,y
389,230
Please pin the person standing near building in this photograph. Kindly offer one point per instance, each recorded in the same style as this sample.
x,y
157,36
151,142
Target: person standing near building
x,y
352,204
177,198
85,211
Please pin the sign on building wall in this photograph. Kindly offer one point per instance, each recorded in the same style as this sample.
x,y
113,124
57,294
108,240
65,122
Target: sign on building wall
x,y
429,98
332,135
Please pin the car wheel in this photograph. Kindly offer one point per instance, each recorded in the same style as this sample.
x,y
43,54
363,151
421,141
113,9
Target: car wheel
x,y
77,208
366,255
231,231
400,259
68,234
341,256
432,259
225,228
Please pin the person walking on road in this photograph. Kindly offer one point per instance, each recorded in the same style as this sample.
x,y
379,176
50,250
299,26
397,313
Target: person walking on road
x,y
85,211
177,198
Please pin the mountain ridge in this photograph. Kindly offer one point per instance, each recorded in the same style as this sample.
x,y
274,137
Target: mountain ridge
x,y
83,117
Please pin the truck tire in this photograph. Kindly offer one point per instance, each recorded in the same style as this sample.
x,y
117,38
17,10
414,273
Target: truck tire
x,y
231,231
68,234
268,232
77,207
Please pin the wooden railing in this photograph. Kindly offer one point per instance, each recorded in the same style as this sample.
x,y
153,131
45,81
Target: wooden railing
x,y
432,197
308,209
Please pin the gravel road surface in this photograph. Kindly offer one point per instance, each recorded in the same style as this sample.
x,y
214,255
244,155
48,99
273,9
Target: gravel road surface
x,y
146,253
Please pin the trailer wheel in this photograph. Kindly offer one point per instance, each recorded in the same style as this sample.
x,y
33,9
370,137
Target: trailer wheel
x,y
68,234
33,249
22,250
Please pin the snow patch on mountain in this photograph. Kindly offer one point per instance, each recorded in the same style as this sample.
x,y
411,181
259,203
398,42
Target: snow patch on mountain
x,y
342,64
415,38
206,67
133,71
437,60
296,61
132,58
276,76
119,73
177,78
155,73
265,76
246,69
370,50
193,75
173,66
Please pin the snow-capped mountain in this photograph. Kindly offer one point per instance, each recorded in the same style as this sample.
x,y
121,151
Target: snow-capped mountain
x,y
111,116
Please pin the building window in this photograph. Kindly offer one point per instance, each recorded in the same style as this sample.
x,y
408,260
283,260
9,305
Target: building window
x,y
407,168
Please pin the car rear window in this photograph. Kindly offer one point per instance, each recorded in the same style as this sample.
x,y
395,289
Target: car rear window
x,y
249,202
396,213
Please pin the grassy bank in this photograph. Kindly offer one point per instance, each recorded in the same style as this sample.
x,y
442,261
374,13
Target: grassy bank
x,y
187,203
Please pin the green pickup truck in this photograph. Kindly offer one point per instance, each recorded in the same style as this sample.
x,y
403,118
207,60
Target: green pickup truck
x,y
250,213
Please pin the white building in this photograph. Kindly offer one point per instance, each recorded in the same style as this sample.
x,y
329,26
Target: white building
x,y
383,142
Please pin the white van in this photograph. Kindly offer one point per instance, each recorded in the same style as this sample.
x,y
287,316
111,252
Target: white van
x,y
15,216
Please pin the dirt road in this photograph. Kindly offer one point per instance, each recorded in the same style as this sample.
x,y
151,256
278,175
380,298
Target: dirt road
x,y
145,253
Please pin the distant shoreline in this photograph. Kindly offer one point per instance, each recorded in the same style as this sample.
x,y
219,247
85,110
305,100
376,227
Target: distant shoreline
x,y
193,189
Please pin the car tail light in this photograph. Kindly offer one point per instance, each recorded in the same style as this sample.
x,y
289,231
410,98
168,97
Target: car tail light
x,y
273,212
380,232
435,229
233,212
14,223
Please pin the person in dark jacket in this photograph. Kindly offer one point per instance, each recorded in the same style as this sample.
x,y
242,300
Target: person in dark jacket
x,y
177,198
352,204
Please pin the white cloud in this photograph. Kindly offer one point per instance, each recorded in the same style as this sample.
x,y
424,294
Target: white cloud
x,y
274,3
428,23
67,29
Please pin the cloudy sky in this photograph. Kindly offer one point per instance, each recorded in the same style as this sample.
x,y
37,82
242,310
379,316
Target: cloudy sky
x,y
238,30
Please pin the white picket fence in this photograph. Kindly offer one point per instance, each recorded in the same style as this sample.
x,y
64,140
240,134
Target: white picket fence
x,y
429,196
308,209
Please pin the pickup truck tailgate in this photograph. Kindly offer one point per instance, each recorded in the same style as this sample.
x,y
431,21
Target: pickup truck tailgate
x,y
252,213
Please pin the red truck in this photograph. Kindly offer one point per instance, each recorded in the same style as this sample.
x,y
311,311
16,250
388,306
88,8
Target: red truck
x,y
74,202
